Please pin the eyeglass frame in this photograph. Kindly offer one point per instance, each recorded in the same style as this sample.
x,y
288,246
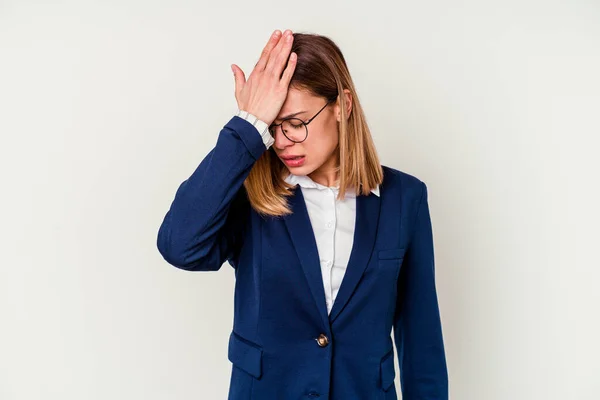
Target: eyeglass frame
x,y
274,126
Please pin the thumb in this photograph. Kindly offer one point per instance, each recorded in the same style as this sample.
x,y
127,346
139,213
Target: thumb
x,y
240,78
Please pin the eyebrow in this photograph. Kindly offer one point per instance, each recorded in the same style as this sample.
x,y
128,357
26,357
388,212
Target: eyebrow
x,y
290,115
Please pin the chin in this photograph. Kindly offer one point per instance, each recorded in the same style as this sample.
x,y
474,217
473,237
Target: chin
x,y
297,170
303,170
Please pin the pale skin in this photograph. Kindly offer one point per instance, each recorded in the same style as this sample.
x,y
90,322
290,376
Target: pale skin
x,y
270,98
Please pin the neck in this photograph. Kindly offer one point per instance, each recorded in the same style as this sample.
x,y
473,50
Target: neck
x,y
327,174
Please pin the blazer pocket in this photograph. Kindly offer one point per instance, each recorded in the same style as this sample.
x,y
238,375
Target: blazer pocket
x,y
387,371
245,354
391,259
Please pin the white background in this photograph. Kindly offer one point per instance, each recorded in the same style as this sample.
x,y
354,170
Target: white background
x,y
107,106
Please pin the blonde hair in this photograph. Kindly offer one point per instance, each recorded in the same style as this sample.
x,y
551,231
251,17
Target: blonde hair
x,y
322,71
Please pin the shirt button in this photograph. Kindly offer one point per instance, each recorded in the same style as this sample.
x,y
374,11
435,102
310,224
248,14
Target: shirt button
x,y
330,224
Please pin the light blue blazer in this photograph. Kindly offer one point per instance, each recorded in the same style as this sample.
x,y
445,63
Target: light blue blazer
x,y
283,344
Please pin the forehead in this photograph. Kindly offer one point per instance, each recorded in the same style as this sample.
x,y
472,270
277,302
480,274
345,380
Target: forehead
x,y
298,100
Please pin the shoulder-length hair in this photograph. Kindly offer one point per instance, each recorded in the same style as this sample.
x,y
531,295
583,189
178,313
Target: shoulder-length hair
x,y
322,71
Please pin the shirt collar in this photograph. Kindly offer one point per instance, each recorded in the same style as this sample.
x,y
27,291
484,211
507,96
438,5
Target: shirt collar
x,y
306,182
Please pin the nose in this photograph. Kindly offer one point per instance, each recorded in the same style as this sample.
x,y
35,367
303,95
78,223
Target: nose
x,y
281,141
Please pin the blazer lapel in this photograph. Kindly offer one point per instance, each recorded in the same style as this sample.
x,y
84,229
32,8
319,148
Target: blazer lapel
x,y
365,232
303,238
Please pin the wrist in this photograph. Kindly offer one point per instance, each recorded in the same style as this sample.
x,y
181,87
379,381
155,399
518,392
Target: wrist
x,y
251,117
260,125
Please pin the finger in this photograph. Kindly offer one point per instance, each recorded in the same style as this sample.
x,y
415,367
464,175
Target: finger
x,y
240,78
283,56
274,64
289,70
264,56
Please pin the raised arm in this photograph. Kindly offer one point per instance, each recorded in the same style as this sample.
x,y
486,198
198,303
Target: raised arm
x,y
206,220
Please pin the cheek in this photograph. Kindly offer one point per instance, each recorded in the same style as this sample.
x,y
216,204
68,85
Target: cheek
x,y
321,147
330,141
326,138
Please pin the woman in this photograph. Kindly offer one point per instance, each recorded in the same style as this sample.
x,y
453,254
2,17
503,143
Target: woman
x,y
324,270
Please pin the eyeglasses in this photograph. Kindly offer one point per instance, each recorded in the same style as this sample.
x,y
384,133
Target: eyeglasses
x,y
295,129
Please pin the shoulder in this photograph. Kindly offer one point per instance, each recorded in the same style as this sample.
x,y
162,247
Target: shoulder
x,y
406,185
403,194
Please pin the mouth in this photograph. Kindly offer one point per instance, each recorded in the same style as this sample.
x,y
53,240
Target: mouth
x,y
293,161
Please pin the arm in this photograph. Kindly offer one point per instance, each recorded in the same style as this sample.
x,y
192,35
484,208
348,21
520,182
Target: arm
x,y
417,325
204,224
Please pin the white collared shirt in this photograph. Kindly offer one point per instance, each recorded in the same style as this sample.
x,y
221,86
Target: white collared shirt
x,y
333,222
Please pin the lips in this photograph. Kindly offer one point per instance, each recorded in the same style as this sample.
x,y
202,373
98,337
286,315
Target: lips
x,y
290,157
294,162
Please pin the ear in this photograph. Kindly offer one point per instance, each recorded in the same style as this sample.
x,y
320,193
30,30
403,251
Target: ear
x,y
348,98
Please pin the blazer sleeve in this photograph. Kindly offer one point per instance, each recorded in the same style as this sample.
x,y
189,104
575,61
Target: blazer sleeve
x,y
417,325
205,222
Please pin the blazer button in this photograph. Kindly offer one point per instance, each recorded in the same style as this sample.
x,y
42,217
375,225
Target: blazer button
x,y
322,340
